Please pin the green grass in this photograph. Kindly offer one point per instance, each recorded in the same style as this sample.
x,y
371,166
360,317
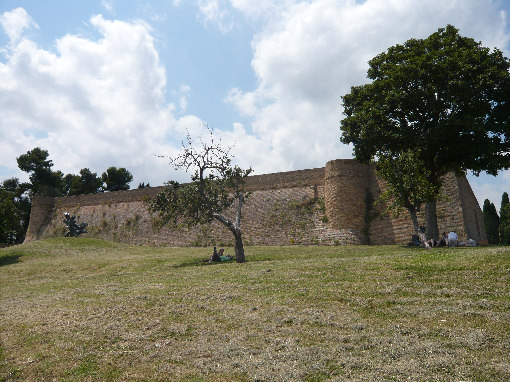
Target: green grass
x,y
76,309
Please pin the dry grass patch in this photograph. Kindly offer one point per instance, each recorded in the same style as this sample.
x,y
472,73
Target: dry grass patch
x,y
84,309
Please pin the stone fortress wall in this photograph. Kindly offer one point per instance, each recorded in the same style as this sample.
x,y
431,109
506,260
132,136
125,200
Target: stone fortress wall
x,y
333,205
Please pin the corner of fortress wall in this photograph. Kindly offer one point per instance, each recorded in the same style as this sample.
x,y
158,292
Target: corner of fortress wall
x,y
274,213
346,185
40,216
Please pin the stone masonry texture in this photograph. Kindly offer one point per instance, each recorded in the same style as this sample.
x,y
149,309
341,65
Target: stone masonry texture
x,y
334,205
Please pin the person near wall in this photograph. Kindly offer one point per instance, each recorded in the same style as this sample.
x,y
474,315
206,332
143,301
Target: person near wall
x,y
453,239
444,239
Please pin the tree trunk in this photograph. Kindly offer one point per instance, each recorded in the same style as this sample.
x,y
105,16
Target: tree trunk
x,y
417,229
414,219
239,248
236,231
432,230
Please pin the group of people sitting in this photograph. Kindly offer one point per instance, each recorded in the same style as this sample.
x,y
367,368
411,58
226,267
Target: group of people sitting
x,y
451,240
218,256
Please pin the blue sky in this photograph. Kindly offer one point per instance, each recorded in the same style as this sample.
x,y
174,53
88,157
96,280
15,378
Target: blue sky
x,y
102,83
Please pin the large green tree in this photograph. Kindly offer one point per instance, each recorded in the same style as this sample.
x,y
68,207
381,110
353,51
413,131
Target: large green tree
x,y
44,181
8,217
215,185
14,211
116,179
86,183
447,96
491,219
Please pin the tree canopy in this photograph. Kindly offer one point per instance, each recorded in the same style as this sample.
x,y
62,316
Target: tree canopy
x,y
116,179
86,183
43,180
446,95
14,211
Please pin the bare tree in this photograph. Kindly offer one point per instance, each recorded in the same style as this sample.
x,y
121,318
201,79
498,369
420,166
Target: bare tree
x,y
215,185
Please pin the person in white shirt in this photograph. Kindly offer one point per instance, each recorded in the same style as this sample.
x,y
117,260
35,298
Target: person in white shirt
x,y
452,239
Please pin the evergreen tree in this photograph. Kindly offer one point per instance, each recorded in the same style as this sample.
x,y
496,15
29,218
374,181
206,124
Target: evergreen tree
x,y
491,219
69,182
14,211
504,222
116,179
87,183
44,181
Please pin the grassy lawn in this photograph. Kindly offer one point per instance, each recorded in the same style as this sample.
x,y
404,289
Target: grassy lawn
x,y
86,310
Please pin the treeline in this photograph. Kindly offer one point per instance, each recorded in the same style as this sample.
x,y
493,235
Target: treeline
x,y
16,196
497,226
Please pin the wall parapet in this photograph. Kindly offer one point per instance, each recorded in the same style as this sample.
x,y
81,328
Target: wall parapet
x,y
289,179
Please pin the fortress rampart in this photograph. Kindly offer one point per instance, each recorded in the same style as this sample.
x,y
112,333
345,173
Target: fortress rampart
x,y
336,204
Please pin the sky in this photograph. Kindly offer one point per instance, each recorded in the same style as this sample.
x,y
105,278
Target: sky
x,y
102,83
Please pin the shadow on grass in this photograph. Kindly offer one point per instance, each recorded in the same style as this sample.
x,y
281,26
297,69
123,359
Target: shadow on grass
x,y
9,259
199,263
413,247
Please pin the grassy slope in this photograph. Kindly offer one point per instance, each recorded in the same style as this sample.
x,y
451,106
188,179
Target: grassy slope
x,y
84,309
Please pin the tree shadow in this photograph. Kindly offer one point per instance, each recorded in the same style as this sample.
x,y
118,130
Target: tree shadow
x,y
200,263
9,259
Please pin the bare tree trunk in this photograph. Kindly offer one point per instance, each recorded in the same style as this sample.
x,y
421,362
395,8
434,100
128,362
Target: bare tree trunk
x,y
417,229
239,248
236,231
432,230
414,219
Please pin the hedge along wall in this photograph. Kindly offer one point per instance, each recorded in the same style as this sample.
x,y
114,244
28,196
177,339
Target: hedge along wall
x,y
331,205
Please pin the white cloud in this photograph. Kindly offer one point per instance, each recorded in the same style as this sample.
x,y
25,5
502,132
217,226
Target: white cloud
x,y
107,5
90,103
245,103
224,13
260,8
216,11
15,22
183,101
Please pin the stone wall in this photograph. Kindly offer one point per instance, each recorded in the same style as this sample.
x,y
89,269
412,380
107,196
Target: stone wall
x,y
329,206
346,184
41,216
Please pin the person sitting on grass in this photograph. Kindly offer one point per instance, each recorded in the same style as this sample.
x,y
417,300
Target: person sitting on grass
x,y
215,256
444,239
431,243
453,239
223,257
218,256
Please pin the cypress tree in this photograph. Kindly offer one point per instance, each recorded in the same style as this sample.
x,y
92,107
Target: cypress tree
x,y
491,218
504,221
